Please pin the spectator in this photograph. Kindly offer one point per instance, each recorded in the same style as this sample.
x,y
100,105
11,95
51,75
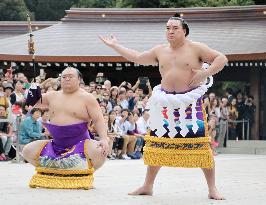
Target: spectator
x,y
107,84
2,152
117,133
87,89
18,94
8,89
92,86
131,99
212,134
142,127
144,102
206,104
31,129
4,101
98,90
233,115
214,111
103,108
212,96
6,132
223,122
249,114
229,94
129,140
110,138
117,110
240,109
113,96
122,100
106,97
143,123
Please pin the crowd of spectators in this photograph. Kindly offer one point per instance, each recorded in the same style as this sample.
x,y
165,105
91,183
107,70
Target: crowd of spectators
x,y
124,110
230,117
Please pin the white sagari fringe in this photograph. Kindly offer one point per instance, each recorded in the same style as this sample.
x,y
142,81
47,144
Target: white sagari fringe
x,y
160,99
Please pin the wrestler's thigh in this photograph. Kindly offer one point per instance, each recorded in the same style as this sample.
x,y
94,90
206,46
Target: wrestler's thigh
x,y
30,151
94,153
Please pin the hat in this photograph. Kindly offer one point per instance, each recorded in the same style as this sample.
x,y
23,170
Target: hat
x,y
8,85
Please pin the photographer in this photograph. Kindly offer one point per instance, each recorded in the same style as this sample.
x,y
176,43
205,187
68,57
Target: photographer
x,y
143,87
249,114
126,85
129,140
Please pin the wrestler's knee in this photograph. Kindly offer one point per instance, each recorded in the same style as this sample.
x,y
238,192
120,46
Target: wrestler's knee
x,y
98,160
30,150
27,151
95,154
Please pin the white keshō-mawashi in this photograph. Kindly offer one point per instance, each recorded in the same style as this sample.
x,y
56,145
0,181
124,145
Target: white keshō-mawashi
x,y
160,99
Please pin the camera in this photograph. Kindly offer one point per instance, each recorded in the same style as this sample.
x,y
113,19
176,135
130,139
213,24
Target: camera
x,y
143,80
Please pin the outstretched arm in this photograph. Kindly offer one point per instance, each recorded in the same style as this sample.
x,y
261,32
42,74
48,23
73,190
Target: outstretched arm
x,y
144,58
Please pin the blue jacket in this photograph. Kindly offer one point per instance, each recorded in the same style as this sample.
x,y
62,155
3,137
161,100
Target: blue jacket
x,y
30,130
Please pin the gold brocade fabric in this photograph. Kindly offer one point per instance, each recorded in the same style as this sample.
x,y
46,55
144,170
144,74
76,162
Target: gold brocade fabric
x,y
178,152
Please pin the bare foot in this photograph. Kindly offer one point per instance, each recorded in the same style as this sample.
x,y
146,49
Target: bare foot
x,y
214,194
144,190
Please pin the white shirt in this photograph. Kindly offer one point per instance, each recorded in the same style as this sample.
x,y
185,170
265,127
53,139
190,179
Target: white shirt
x,y
124,104
142,125
124,126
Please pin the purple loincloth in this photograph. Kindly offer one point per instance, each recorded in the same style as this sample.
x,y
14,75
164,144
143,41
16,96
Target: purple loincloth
x,y
66,149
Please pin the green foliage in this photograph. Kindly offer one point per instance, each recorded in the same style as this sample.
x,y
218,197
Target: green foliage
x,y
160,3
204,3
13,10
140,3
95,4
219,87
49,10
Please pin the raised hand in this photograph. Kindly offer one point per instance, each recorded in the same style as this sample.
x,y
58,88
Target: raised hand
x,y
109,41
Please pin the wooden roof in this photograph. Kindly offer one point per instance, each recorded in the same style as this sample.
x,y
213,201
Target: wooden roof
x,y
238,32
14,28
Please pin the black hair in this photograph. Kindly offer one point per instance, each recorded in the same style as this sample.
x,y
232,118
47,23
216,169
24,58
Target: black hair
x,y
125,109
145,110
20,81
183,22
33,110
45,110
229,91
251,96
78,72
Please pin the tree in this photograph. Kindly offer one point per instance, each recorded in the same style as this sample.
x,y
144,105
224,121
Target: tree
x,y
13,10
49,10
140,3
204,3
95,4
